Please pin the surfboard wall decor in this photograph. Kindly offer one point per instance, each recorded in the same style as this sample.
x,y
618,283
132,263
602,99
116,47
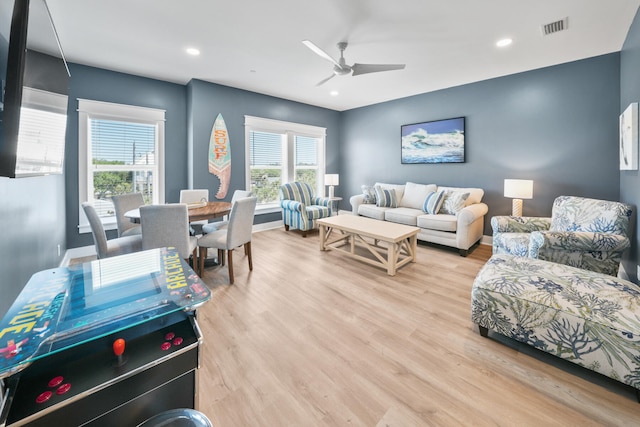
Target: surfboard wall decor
x,y
220,155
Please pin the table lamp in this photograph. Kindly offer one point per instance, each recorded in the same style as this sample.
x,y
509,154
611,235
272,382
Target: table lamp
x,y
518,189
331,179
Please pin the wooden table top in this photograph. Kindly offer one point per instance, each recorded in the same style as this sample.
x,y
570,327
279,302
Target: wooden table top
x,y
369,227
209,211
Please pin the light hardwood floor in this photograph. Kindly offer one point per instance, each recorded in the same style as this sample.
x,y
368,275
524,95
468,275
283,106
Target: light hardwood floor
x,y
311,338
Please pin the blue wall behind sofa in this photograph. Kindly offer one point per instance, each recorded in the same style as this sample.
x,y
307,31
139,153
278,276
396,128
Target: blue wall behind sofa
x,y
557,126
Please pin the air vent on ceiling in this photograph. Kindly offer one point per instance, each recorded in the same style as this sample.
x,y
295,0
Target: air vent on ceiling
x,y
554,27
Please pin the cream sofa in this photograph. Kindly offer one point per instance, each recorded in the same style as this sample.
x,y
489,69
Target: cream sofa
x,y
460,231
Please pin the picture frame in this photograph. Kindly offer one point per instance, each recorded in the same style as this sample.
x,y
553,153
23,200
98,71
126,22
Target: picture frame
x,y
437,141
629,138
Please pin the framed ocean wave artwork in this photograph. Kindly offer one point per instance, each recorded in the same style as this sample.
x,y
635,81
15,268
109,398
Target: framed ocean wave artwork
x,y
439,141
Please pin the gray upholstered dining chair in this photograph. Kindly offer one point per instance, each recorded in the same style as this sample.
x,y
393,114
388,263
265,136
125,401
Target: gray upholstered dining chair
x,y
219,225
195,196
168,226
107,248
122,204
237,233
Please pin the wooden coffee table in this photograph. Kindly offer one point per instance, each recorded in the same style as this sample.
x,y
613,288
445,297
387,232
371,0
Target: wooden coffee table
x,y
361,232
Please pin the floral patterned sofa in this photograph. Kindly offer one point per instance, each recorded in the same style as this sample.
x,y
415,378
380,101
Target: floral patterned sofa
x,y
585,317
585,233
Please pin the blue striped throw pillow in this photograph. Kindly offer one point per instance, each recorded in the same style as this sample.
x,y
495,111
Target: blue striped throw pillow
x,y
433,202
386,198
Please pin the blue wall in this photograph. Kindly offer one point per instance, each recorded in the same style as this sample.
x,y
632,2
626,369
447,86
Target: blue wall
x,y
557,126
108,86
207,100
630,180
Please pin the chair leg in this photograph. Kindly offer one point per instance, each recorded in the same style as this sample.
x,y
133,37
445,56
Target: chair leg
x,y
203,255
286,227
230,265
194,255
247,251
221,257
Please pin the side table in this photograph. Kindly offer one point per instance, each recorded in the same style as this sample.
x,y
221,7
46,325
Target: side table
x,y
335,201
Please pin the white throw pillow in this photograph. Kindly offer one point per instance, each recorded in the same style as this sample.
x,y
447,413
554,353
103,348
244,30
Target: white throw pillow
x,y
415,194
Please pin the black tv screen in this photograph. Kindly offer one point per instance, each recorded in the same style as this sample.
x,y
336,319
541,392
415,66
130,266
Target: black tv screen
x,y
35,83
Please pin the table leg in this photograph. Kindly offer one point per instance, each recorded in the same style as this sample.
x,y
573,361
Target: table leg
x,y
323,236
414,248
391,259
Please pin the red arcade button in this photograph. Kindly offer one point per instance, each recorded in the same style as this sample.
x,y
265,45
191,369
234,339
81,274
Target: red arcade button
x,y
55,381
177,341
169,336
63,388
165,345
43,397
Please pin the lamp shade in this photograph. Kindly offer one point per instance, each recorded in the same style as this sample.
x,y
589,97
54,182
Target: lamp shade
x,y
518,188
332,179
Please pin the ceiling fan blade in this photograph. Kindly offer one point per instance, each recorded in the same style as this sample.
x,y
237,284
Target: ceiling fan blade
x,y
374,68
321,82
320,52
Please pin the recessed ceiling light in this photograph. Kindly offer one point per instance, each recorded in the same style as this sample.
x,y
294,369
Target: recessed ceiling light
x,y
504,42
334,93
193,51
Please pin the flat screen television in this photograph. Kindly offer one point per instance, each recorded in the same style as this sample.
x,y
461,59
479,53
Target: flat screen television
x,y
35,86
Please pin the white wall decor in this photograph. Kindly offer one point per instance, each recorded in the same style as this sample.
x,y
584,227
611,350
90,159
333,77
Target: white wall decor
x,y
629,138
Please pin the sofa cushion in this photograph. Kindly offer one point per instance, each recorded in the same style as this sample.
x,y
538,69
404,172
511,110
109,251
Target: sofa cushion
x,y
433,202
372,211
407,216
386,198
369,194
453,202
440,222
414,194
475,194
398,188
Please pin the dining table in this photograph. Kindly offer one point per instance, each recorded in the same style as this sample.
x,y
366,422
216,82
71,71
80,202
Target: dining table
x,y
197,211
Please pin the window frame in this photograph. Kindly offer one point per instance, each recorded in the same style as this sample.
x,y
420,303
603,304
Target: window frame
x,y
90,109
290,130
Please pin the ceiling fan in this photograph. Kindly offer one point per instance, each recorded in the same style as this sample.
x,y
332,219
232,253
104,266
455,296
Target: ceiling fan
x,y
340,67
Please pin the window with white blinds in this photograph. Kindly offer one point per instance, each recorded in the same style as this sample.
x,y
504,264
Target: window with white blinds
x,y
120,151
279,152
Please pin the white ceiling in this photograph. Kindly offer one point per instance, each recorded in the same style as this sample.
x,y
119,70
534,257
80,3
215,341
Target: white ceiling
x,y
256,44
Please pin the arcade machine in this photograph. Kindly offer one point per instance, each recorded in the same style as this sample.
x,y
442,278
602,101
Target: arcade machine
x,y
105,343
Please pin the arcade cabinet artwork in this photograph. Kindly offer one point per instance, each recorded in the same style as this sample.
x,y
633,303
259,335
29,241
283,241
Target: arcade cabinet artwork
x,y
109,342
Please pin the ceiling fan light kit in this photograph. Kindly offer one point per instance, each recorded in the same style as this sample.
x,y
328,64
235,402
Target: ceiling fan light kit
x,y
340,67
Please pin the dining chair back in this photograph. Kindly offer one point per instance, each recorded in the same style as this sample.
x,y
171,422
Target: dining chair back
x,y
106,248
122,204
168,226
237,233
219,225
195,196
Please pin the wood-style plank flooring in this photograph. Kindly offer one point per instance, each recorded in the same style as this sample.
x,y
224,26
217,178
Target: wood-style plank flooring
x,y
311,338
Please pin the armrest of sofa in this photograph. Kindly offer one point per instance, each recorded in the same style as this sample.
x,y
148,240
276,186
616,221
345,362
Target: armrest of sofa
x,y
519,224
576,241
356,201
471,213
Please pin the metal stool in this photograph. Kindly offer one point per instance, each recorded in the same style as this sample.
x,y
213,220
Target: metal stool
x,y
178,418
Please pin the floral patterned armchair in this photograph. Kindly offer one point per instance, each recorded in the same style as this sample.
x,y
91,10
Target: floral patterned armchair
x,y
586,233
300,207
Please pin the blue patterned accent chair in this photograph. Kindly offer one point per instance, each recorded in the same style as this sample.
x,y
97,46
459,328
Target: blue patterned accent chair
x,y
586,233
587,318
300,208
